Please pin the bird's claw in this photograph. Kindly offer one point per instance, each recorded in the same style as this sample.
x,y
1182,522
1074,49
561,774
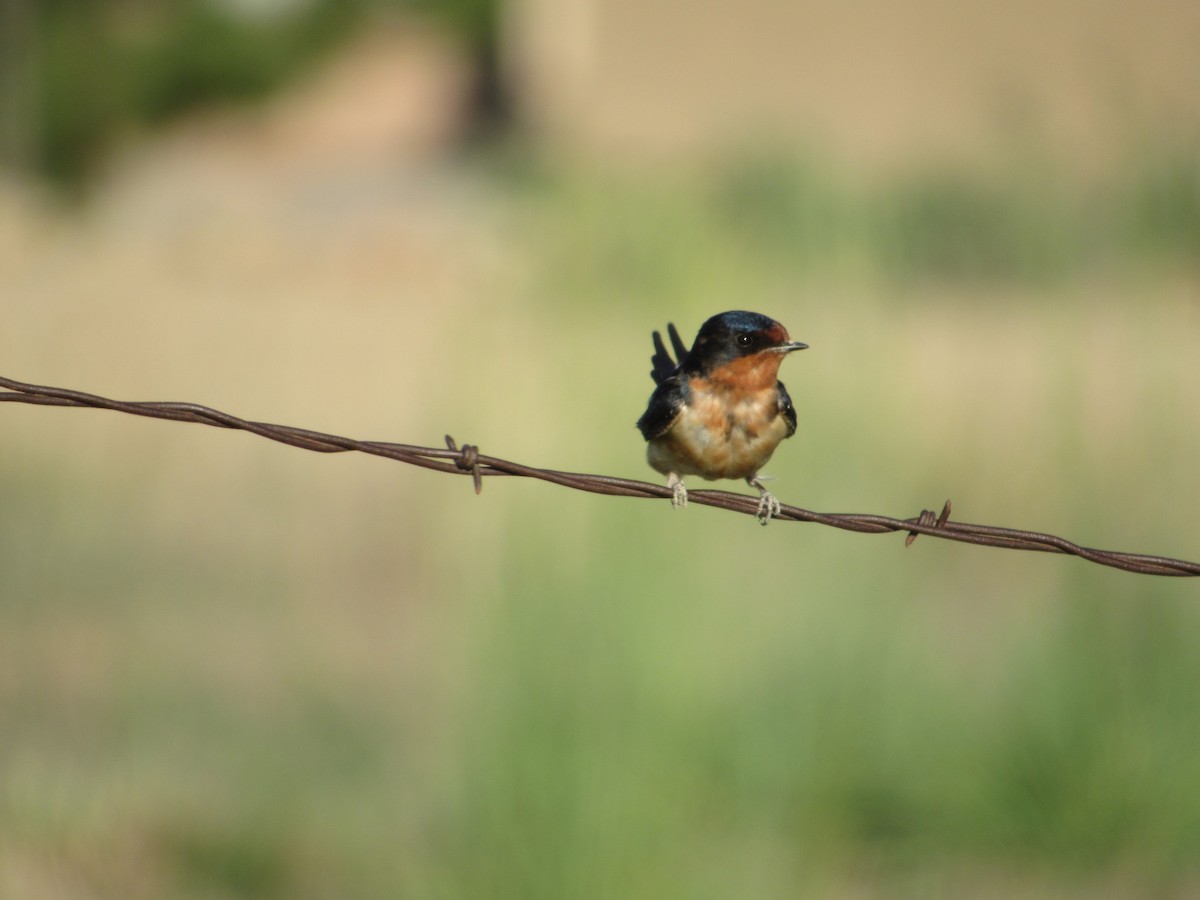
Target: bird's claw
x,y
768,506
678,491
679,496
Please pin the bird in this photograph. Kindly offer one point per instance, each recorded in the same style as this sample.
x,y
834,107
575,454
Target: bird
x,y
720,411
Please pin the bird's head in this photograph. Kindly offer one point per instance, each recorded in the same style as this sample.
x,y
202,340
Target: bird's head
x,y
754,341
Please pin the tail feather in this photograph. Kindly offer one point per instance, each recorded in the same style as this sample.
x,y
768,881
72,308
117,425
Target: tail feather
x,y
662,365
680,347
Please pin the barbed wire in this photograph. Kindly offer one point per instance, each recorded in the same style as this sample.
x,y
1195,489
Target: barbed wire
x,y
467,460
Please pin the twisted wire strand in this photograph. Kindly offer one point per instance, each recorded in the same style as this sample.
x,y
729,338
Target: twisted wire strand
x,y
467,460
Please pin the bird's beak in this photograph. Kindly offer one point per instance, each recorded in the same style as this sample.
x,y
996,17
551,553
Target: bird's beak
x,y
789,347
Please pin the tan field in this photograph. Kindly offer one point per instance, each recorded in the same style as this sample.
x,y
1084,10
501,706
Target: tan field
x,y
231,668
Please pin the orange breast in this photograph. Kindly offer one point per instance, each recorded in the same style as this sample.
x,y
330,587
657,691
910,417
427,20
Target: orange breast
x,y
726,430
747,374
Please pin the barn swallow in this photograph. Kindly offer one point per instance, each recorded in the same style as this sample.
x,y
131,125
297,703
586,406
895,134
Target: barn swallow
x,y
720,412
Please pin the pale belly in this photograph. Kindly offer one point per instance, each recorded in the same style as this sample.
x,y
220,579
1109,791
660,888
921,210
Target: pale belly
x,y
712,440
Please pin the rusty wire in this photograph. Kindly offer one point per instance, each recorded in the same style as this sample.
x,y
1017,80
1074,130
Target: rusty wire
x,y
468,460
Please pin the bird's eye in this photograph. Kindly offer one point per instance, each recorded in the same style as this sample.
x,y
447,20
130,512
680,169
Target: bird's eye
x,y
744,340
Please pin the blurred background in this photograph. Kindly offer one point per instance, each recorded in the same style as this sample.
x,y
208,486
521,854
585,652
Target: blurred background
x,y
229,668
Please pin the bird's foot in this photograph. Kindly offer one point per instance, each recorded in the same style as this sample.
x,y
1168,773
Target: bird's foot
x,y
678,491
768,506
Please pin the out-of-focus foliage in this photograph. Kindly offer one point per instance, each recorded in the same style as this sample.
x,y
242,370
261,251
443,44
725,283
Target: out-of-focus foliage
x,y
101,68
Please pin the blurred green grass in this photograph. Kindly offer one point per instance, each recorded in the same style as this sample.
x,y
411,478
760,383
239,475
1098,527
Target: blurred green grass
x,y
230,669
795,216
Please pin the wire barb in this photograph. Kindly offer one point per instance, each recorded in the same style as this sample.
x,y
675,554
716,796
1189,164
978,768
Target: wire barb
x,y
926,519
455,460
468,461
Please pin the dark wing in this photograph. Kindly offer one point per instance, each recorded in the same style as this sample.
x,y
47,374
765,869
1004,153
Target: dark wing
x,y
786,409
662,365
665,405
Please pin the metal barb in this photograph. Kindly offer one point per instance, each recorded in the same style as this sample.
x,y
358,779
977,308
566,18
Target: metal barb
x,y
926,519
467,461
